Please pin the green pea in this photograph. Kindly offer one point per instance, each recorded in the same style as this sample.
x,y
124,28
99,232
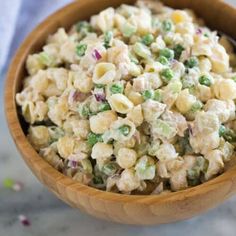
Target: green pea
x,y
191,62
147,39
234,78
163,60
93,138
124,129
183,145
193,177
148,94
204,80
227,133
202,164
178,49
187,83
104,107
196,106
116,88
81,49
167,53
167,25
97,180
107,39
222,130
167,75
83,26
84,110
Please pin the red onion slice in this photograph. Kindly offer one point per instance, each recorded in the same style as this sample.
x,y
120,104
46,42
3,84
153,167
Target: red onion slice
x,y
96,55
24,220
77,96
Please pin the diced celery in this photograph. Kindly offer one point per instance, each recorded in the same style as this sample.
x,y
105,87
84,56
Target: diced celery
x,y
84,110
164,129
128,29
55,133
144,169
46,59
110,168
234,78
108,38
158,95
133,59
87,166
8,183
175,87
141,50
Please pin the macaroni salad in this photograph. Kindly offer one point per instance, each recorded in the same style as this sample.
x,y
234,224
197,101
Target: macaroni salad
x,y
139,100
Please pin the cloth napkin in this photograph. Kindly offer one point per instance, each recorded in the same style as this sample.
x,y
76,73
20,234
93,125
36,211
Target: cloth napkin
x,y
17,19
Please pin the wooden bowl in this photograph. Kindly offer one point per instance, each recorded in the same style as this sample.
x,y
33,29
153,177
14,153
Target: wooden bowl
x,y
140,210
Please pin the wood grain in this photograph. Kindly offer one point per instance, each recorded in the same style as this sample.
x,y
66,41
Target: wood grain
x,y
140,210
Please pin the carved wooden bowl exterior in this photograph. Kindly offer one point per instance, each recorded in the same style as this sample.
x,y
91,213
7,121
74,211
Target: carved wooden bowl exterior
x,y
139,210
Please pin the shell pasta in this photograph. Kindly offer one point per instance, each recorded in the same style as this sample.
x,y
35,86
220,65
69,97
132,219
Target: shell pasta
x,y
138,100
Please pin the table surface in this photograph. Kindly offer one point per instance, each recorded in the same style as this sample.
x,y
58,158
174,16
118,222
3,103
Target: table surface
x,y
50,216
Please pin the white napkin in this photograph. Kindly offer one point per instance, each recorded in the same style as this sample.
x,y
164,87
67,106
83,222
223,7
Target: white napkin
x,y
8,17
17,19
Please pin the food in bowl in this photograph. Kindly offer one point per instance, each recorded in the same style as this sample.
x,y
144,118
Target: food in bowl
x,y
139,100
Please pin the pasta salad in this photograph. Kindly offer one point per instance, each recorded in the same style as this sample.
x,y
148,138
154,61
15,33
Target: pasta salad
x,y
138,100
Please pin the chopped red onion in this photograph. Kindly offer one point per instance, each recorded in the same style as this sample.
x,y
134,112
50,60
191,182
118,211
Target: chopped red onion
x,y
100,97
17,187
198,31
137,137
76,96
24,220
190,129
186,54
173,61
99,94
72,164
97,55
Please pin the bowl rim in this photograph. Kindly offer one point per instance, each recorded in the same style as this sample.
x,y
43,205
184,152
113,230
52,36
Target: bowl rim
x,y
34,161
